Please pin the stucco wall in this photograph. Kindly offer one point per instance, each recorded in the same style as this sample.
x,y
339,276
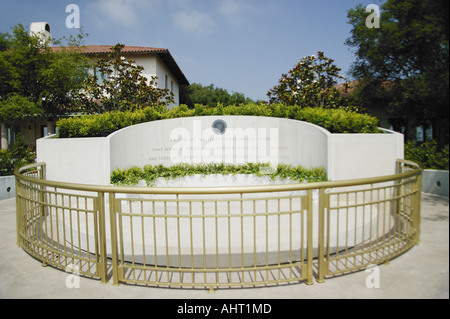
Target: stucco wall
x,y
154,142
161,72
435,182
75,160
364,155
255,139
7,187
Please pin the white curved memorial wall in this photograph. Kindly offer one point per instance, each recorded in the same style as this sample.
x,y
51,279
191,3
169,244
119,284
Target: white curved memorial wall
x,y
227,139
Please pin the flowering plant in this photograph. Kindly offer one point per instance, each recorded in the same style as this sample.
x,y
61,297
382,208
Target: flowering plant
x,y
311,83
122,86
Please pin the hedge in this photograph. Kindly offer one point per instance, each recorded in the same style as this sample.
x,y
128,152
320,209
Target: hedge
x,y
427,154
333,120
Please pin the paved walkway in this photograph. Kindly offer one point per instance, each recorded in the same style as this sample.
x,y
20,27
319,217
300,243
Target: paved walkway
x,y
420,273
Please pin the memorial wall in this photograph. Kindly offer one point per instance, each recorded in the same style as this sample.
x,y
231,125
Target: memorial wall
x,y
220,139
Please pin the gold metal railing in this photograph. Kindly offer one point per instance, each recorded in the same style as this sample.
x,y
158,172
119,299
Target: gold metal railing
x,y
218,237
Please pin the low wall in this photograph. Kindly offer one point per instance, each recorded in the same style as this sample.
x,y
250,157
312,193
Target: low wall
x,y
75,160
246,139
200,140
435,182
7,187
363,155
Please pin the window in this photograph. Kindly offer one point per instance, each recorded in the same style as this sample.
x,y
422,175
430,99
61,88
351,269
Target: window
x,y
11,136
398,125
424,132
43,130
100,76
421,133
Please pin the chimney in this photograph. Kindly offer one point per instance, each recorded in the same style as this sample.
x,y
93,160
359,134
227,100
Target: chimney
x,y
42,30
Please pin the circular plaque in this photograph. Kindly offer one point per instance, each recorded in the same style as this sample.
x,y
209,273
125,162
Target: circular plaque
x,y
219,127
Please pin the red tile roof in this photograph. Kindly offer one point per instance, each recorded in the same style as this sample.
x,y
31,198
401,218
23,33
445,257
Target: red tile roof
x,y
163,54
348,87
100,49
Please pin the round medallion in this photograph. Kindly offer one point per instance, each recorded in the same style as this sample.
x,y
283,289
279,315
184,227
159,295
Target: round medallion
x,y
219,127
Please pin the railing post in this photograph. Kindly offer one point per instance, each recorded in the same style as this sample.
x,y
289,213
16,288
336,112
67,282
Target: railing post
x,y
398,193
114,249
102,237
322,265
398,168
417,208
309,240
18,214
42,201
43,171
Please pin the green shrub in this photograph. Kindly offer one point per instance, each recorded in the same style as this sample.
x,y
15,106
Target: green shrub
x,y
427,154
338,121
334,120
17,156
94,125
151,173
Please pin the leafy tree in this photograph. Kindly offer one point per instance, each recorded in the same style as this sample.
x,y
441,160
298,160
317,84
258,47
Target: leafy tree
x,y
123,87
404,63
311,83
211,95
47,77
17,156
64,77
14,108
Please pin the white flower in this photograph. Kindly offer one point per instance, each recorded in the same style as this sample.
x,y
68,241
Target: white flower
x,y
122,58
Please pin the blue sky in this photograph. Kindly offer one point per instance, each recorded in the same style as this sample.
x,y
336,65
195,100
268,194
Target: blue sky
x,y
239,45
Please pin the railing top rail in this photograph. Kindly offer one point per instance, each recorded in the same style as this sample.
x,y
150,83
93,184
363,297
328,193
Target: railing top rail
x,y
408,162
214,190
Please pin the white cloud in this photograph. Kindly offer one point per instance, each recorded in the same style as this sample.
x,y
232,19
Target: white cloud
x,y
203,17
230,7
181,4
194,21
233,10
123,12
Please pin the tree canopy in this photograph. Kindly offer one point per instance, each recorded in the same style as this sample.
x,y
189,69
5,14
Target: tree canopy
x,y
15,107
311,83
405,62
31,69
210,95
122,87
